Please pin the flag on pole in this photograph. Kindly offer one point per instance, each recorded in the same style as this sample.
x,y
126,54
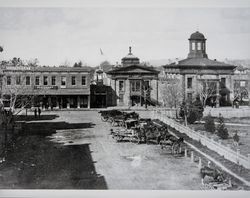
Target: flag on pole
x,y
101,51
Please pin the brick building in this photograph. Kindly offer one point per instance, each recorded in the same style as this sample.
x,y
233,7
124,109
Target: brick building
x,y
197,70
241,81
52,87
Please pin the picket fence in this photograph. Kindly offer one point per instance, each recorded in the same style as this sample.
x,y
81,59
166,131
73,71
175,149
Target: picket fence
x,y
222,150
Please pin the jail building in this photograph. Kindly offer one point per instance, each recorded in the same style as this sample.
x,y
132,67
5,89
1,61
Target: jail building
x,y
134,84
50,87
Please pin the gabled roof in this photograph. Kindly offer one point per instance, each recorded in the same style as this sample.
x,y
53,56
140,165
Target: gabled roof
x,y
199,62
133,69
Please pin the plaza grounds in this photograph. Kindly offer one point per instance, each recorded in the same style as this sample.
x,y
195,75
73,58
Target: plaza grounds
x,y
73,150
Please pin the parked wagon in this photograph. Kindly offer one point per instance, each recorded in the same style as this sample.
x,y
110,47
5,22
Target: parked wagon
x,y
216,186
130,132
108,114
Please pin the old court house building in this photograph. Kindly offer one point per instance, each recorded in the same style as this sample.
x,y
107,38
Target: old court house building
x,y
198,70
52,87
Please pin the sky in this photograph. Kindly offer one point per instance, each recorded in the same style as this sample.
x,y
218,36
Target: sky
x,y
55,34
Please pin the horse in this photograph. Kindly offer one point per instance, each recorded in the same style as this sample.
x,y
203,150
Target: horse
x,y
176,145
214,173
172,142
152,133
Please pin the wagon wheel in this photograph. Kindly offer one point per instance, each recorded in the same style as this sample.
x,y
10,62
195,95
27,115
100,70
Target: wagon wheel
x,y
110,120
104,119
122,123
118,138
207,187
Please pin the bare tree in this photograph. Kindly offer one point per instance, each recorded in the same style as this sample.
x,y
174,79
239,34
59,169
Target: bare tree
x,y
206,89
32,62
66,63
240,91
18,95
171,91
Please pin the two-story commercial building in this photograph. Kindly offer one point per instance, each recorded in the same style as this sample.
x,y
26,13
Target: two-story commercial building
x,y
50,87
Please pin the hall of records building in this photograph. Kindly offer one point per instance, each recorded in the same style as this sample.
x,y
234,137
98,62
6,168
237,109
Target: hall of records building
x,y
50,87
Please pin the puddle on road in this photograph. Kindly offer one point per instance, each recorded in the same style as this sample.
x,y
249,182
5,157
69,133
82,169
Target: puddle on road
x,y
136,160
72,136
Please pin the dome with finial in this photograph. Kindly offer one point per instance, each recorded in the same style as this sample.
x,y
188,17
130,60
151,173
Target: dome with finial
x,y
197,36
130,59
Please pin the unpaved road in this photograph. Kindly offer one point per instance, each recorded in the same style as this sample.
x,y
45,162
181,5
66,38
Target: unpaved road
x,y
73,150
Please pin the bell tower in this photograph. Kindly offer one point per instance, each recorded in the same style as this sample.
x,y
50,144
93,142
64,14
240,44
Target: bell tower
x,y
197,46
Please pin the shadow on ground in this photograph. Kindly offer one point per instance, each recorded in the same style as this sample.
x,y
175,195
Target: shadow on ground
x,y
33,118
34,162
48,128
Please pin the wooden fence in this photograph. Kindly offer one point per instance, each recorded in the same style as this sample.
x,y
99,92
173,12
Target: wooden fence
x,y
222,150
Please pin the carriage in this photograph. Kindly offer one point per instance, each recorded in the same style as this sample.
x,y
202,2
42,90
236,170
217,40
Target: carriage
x,y
107,115
116,117
217,179
130,131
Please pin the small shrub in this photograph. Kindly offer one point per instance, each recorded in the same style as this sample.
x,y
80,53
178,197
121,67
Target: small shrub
x,y
222,130
209,124
192,117
192,110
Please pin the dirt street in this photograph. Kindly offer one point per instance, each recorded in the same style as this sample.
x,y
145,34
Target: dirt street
x,y
73,150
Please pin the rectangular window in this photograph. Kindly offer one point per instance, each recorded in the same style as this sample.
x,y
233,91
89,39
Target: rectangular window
x,y
53,80
8,80
242,83
223,83
18,80
189,97
136,85
121,85
27,80
146,84
45,80
83,80
37,80
73,80
199,46
189,83
121,96
193,46
63,81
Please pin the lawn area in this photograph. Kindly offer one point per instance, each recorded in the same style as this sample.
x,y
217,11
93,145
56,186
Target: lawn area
x,y
241,125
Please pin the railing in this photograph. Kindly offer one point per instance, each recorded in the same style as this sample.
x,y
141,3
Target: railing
x,y
225,151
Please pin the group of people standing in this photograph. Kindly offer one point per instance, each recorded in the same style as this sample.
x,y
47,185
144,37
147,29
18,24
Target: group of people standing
x,y
39,111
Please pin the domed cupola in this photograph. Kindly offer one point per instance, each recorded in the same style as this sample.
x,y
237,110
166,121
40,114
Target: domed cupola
x,y
130,59
197,45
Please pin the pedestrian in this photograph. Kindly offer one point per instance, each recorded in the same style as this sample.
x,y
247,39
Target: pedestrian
x,y
39,112
35,112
